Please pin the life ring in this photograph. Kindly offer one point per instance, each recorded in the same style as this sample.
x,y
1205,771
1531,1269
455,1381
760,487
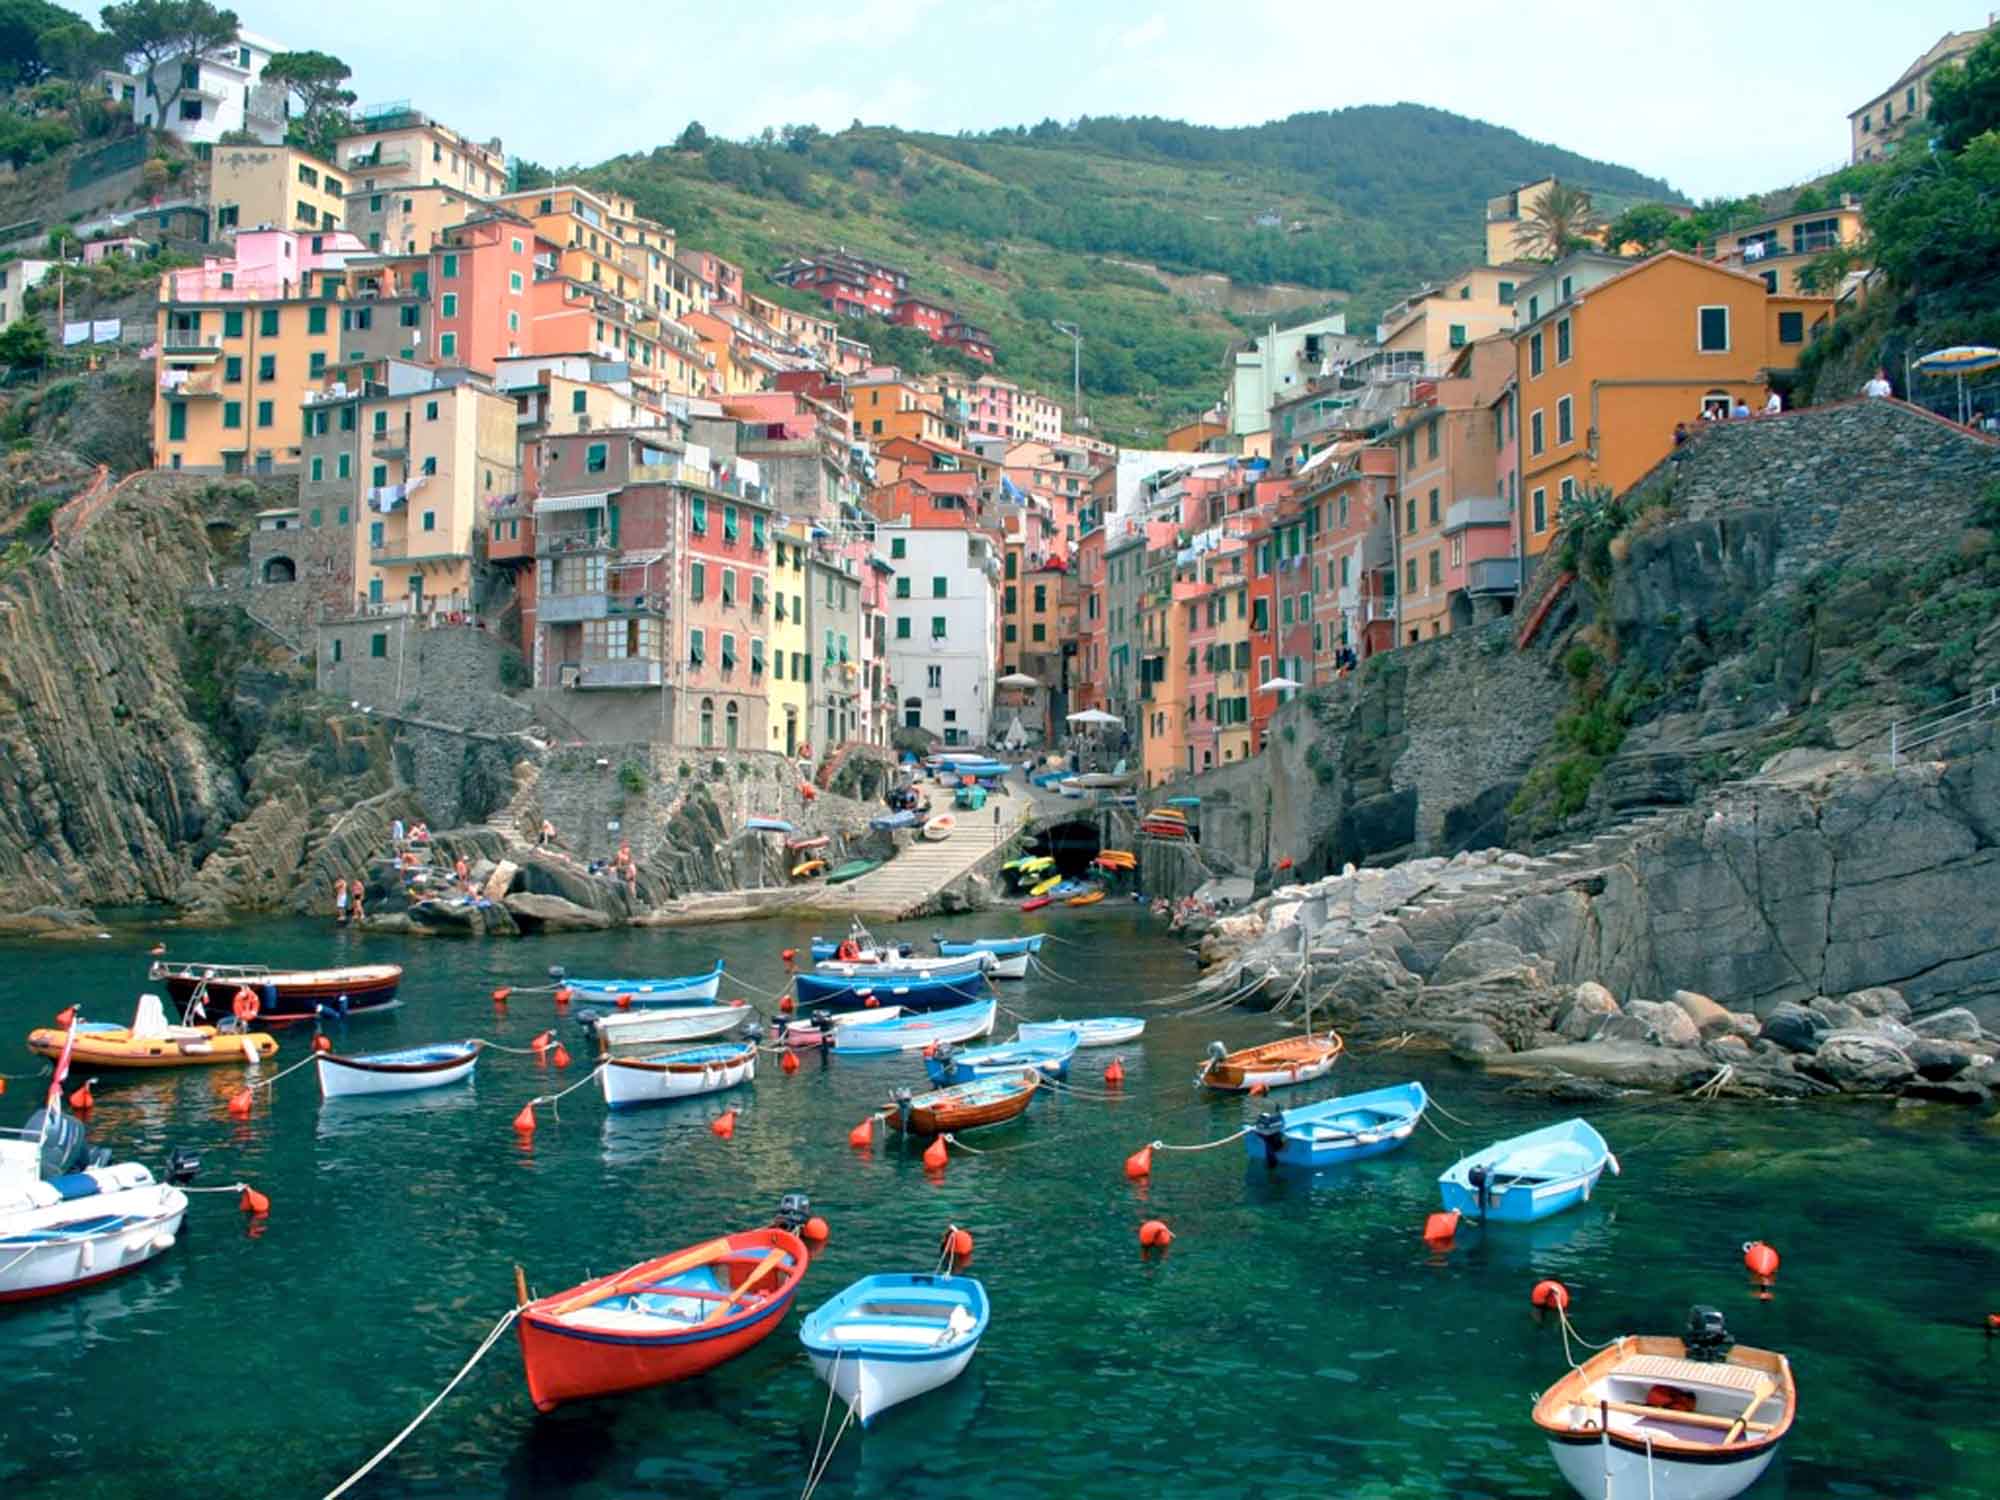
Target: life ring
x,y
245,1006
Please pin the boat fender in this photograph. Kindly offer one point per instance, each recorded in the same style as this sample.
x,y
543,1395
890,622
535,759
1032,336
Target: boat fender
x,y
182,1165
793,1211
902,1102
1270,1129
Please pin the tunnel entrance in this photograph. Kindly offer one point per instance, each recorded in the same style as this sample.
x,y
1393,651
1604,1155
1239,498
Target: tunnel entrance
x,y
1071,845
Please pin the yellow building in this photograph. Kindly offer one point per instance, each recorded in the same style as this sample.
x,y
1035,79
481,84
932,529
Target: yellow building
x,y
408,220
273,187
1234,680
1776,250
1427,327
788,690
1879,123
401,148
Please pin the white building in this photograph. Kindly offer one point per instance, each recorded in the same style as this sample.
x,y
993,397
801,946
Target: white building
x,y
944,629
220,92
15,280
1280,363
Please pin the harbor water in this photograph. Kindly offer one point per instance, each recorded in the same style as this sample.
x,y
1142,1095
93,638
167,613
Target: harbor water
x,y
1297,1338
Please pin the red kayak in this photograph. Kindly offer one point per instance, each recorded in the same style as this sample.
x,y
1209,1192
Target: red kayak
x,y
668,1319
1035,903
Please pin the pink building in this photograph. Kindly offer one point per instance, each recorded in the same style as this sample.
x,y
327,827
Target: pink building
x,y
269,265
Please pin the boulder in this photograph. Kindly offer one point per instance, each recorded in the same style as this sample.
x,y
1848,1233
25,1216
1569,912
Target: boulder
x,y
1623,1028
1840,1015
1939,1060
1668,1025
1596,997
1729,1049
501,879
1955,1025
1859,1062
1880,1000
1709,1019
397,922
533,913
1475,1042
1590,1007
1746,1025
1795,1028
1955,1091
1476,958
1631,1065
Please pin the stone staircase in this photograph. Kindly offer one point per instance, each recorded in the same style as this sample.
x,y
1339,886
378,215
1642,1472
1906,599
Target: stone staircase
x,y
519,821
917,873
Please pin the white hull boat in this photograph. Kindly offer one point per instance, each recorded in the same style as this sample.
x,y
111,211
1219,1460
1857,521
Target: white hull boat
x,y
67,1231
887,1339
1103,1031
925,1029
403,1072
621,1031
1008,966
892,969
630,1081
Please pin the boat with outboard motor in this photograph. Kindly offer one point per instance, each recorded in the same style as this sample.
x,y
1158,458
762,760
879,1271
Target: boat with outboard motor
x,y
1351,1127
1295,1059
687,989
1528,1177
283,997
950,1063
151,1041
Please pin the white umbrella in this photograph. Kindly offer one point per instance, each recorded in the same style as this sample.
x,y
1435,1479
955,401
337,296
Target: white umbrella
x,y
1278,685
1094,716
1017,679
1016,736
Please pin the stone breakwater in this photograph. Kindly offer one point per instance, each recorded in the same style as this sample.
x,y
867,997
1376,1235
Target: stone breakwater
x,y
1833,931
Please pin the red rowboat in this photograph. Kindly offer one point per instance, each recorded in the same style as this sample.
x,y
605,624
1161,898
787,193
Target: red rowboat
x,y
667,1319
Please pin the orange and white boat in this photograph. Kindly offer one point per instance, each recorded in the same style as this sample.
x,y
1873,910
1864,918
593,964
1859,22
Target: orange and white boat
x,y
1295,1059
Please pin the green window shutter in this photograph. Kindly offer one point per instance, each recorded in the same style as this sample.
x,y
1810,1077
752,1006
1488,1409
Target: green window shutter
x,y
232,323
341,516
316,320
232,369
450,270
266,413
379,476
232,414
267,323
314,522
177,421
378,643
267,367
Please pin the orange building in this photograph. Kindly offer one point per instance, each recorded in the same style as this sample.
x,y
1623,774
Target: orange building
x,y
483,279
1604,378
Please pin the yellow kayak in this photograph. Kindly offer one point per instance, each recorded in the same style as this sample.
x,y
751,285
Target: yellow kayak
x,y
808,868
176,1047
1046,886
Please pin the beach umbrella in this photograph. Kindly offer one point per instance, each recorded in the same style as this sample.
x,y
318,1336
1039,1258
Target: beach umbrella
x,y
1279,685
1017,680
1960,361
1095,717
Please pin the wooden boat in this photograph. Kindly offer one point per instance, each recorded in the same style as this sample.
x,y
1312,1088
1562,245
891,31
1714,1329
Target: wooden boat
x,y
284,996
963,1106
1530,1176
854,869
1295,1059
959,947
630,1081
64,1223
1035,903
1351,1127
798,846
940,827
1084,898
667,1319
689,989
949,1063
806,869
819,1027
1099,1031
648,1026
150,1042
402,1072
891,1337
914,1033
1008,965
1687,1418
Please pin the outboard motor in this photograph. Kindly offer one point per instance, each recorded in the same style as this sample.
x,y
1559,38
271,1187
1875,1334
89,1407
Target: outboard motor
x,y
753,1031
946,1058
182,1165
901,1099
1707,1336
65,1144
822,1019
1270,1129
557,973
904,950
1481,1187
588,1018
793,1211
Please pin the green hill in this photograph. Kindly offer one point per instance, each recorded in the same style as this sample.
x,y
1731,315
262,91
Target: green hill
x,y
1163,241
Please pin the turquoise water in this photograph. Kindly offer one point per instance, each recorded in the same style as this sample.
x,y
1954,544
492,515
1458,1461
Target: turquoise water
x,y
1298,1338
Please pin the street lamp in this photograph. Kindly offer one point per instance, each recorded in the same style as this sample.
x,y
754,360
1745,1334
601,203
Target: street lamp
x,y
1076,349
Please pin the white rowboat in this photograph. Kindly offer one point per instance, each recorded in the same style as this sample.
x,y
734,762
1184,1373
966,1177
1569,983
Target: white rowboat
x,y
630,1081
889,1338
620,1031
403,1072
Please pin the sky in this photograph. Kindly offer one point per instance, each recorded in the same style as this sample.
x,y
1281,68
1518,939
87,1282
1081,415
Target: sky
x,y
1720,102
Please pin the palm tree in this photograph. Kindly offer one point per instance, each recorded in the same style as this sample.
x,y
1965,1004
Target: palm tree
x,y
1560,222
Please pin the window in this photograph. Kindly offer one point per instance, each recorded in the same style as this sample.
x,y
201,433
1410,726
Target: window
x,y
729,523
934,677
1431,438
375,533
378,643
1505,294
1562,341
903,627
1867,123
728,585
177,422
341,466
190,109
937,630
1458,335
450,267
1791,328
1534,354
232,414
728,651
1910,100
1564,497
1410,572
1434,507
694,647
1013,634
267,323
316,362
1541,510
340,516
1712,330
698,514
232,323
902,588
1437,567
1410,521
232,369
448,305
1565,425
318,471
267,367
316,320
938,586
379,475
1534,308
1568,285
447,345
513,281
1535,444
897,547
597,458
698,582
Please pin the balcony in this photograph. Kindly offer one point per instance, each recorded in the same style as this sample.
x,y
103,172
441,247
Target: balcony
x,y
1493,576
551,542
1482,511
567,609
191,384
390,444
626,672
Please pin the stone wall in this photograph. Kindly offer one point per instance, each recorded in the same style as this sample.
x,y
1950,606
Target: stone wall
x,y
444,669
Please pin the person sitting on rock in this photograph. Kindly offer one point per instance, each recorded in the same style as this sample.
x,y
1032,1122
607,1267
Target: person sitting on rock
x,y
548,833
355,892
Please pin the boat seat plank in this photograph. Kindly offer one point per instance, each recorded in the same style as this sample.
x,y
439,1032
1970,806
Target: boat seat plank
x,y
1665,1368
919,1334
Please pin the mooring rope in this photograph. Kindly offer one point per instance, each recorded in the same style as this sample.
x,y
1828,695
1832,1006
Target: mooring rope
x,y
395,1442
264,1083
1205,1145
757,990
554,1100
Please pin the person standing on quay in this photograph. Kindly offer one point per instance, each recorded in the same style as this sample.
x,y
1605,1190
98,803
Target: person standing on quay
x,y
357,890
1879,386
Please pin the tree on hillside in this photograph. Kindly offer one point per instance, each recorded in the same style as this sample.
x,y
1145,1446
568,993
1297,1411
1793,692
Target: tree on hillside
x,y
1965,100
1561,222
694,138
26,28
1646,225
157,32
318,81
24,343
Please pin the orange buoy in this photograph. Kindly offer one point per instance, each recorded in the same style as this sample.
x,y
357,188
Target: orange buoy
x,y
1760,1259
1285,863
1258,1088
542,1042
1114,1072
814,1231
1440,1228
957,1243
1139,1163
3,1085
500,995
1550,1294
562,996
157,949
559,1055
239,1104
935,1156
66,1015
245,1005
253,1202
790,1063
862,1136
82,1101
524,1122
1154,1234
789,955
739,1002
723,1125
785,1004
322,1044
1993,1322
869,1001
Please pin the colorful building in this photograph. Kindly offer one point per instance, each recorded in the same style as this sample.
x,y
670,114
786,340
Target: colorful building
x,y
483,283
789,707
944,629
272,187
1777,250
398,147
1877,125
220,93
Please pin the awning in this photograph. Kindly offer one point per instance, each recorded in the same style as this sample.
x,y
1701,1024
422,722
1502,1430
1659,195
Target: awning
x,y
549,505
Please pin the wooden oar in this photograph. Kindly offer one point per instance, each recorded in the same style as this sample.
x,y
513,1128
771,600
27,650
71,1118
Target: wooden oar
x,y
1764,1390
1691,1418
764,1268
640,1275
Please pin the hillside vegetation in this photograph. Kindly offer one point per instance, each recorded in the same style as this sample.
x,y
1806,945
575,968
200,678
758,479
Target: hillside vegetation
x,y
1019,227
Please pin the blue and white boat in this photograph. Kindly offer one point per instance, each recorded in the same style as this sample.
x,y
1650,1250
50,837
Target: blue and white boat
x,y
401,1072
951,1064
677,1075
888,1338
960,947
691,989
1352,1127
912,992
1529,1177
894,820
915,1033
1098,1031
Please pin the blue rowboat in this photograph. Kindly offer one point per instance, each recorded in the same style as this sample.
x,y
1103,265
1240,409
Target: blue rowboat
x,y
958,948
914,1033
1529,1177
888,1338
951,1064
691,989
1352,1127
1098,1031
911,991
887,821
